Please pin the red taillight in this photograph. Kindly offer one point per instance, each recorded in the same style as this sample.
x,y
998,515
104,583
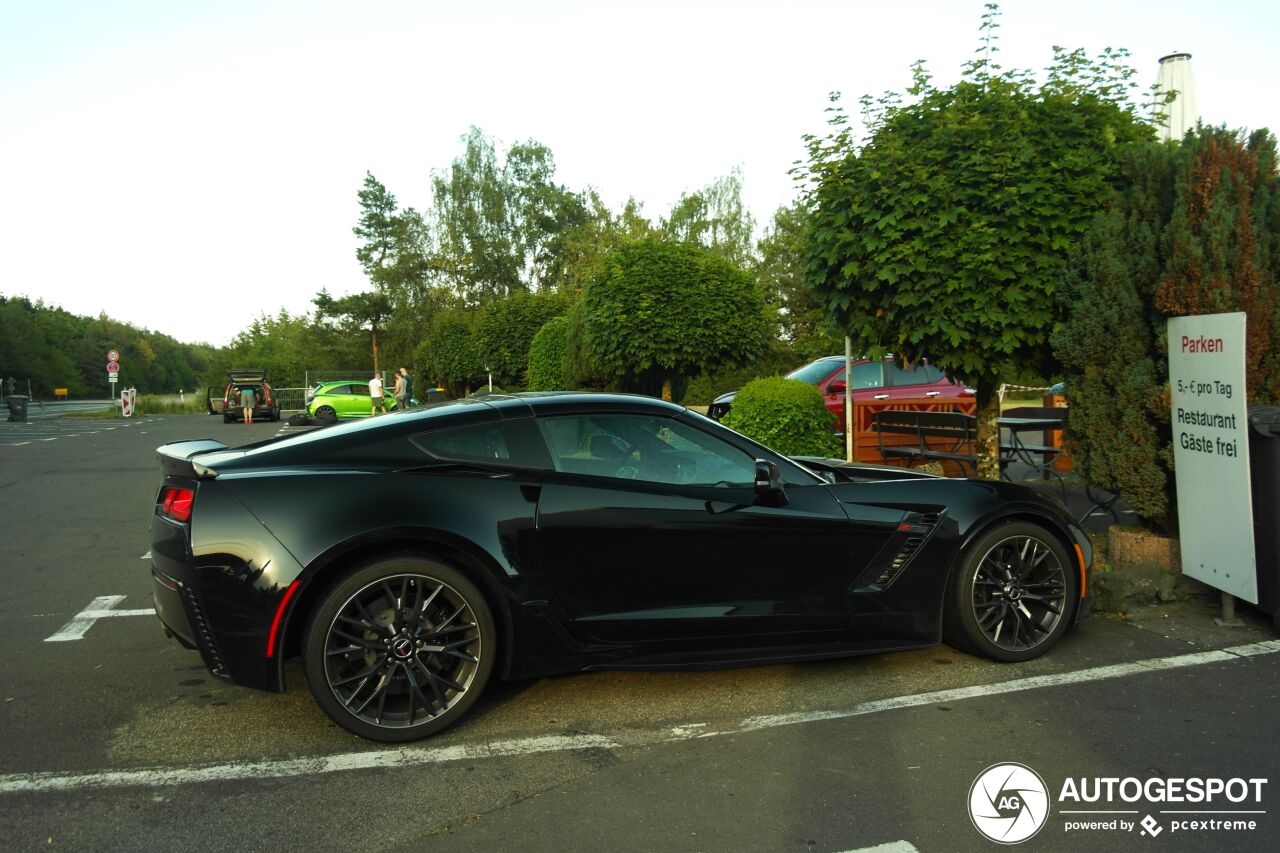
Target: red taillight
x,y
177,504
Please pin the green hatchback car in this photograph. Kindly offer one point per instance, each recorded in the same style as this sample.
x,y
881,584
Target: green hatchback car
x,y
343,399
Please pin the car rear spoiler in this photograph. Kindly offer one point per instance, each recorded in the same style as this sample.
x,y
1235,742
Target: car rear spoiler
x,y
176,457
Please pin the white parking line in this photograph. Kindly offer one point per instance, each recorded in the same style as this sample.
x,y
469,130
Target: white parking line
x,y
414,756
891,847
102,607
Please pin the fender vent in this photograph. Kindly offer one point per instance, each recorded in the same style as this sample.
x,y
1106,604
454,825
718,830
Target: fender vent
x,y
204,636
917,528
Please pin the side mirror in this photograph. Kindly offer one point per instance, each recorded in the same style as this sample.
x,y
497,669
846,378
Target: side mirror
x,y
837,387
769,482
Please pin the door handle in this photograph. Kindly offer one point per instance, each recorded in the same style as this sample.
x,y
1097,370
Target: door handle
x,y
932,393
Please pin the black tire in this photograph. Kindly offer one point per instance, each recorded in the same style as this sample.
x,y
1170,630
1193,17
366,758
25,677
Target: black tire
x,y
364,648
326,413
226,419
1012,594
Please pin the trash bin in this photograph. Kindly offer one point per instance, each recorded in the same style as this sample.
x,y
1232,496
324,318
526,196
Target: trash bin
x,y
1264,484
18,408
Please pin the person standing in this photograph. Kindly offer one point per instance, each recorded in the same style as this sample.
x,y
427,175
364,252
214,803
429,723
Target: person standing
x,y
405,383
377,395
247,398
398,390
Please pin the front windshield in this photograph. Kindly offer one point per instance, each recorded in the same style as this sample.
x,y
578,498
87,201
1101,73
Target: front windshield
x,y
815,371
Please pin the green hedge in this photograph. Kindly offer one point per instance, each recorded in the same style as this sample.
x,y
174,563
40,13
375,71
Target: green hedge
x,y
546,356
786,415
779,358
506,329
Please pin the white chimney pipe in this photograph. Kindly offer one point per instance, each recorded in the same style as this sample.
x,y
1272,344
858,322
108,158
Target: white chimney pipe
x,y
1182,114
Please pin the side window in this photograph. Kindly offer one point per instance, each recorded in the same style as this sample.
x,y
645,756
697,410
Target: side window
x,y
868,374
921,374
509,442
649,448
482,443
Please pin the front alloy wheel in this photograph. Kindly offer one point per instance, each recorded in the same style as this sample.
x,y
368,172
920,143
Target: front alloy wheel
x,y
1011,597
400,650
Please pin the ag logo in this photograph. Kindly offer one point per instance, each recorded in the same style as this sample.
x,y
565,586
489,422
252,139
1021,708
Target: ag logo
x,y
1008,803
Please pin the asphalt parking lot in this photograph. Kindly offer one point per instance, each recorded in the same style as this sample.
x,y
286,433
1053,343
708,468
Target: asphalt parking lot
x,y
117,738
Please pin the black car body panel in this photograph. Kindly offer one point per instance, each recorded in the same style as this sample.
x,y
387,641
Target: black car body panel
x,y
580,571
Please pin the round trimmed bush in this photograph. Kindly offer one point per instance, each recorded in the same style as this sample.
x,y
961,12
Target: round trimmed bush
x,y
786,415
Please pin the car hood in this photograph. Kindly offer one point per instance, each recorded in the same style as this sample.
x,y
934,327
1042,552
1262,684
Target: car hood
x,y
727,397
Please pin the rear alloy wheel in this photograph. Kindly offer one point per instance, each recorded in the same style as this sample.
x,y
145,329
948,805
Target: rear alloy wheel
x,y
326,413
400,649
1010,598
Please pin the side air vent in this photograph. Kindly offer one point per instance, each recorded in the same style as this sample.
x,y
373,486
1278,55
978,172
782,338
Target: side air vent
x,y
204,637
918,528
901,549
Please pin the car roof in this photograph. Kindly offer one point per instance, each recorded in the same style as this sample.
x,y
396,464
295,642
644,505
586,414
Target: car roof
x,y
299,448
562,402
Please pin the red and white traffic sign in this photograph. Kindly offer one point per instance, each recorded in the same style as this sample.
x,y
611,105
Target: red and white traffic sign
x,y
113,355
113,367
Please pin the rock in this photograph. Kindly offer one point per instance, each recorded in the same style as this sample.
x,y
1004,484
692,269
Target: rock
x,y
1131,546
1133,586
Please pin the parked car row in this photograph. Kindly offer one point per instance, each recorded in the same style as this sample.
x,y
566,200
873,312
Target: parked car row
x,y
329,401
869,380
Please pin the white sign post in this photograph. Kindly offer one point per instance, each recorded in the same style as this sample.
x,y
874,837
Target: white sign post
x,y
113,370
1211,453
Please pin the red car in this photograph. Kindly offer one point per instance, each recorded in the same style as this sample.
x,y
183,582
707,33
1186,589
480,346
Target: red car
x,y
265,407
872,380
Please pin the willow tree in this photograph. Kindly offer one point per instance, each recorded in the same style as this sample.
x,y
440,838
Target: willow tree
x,y
945,233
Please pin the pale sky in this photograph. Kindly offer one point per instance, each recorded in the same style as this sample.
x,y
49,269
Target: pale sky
x,y
186,166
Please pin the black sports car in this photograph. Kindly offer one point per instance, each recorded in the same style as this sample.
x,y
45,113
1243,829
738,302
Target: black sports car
x,y
409,557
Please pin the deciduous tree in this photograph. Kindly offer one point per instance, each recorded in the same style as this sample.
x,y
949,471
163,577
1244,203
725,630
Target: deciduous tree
x,y
715,218
661,309
946,233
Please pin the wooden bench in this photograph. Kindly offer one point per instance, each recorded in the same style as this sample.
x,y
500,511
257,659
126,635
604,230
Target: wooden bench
x,y
935,437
